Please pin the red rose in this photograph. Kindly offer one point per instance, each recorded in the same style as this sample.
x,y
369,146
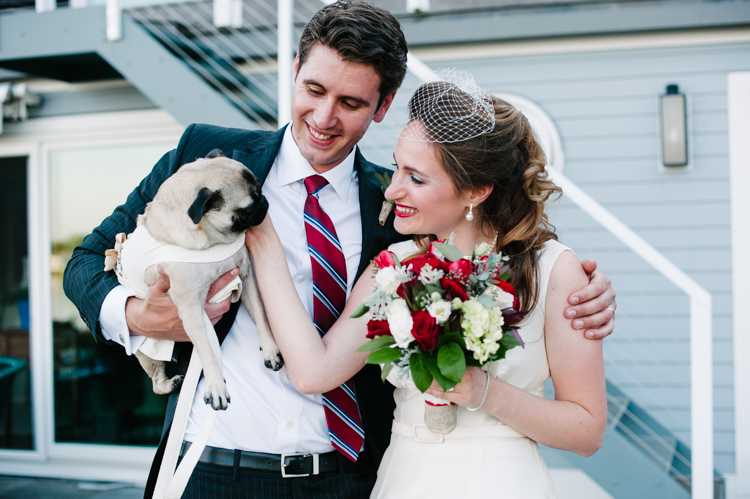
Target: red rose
x,y
460,269
425,330
378,328
508,288
426,259
385,259
453,290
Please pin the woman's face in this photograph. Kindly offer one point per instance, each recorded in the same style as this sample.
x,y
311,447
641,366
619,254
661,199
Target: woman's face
x,y
426,200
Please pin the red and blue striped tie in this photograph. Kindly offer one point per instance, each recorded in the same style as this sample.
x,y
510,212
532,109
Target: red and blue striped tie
x,y
329,296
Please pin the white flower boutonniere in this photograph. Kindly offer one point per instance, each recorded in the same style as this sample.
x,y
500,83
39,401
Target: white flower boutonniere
x,y
387,207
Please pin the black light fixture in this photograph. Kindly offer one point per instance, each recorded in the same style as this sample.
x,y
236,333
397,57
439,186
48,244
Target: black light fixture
x,y
673,128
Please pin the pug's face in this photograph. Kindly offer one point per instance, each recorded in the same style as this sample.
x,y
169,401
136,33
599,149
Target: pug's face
x,y
227,200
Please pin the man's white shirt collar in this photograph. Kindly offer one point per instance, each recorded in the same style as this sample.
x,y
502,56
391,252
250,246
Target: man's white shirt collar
x,y
297,168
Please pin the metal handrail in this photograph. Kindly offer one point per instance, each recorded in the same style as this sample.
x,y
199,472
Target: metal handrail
x,y
701,346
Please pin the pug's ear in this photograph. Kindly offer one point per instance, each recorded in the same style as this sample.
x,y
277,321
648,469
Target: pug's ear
x,y
216,153
204,201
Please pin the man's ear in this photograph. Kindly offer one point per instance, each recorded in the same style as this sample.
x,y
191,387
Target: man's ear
x,y
295,69
380,113
479,194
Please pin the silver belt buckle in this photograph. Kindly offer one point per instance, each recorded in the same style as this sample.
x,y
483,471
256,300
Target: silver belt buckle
x,y
284,474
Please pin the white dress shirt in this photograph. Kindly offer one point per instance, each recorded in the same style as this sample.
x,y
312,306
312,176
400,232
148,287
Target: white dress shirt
x,y
267,413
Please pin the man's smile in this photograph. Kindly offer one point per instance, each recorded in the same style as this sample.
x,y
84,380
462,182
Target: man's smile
x,y
322,137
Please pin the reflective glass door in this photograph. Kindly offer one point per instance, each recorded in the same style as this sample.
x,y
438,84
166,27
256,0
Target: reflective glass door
x,y
101,395
16,422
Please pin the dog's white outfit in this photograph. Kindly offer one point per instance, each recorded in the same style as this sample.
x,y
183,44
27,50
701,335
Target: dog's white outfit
x,y
140,251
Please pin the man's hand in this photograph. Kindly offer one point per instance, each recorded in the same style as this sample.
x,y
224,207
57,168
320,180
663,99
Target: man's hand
x,y
594,305
156,316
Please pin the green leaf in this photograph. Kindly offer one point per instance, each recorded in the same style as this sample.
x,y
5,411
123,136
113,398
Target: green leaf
x,y
419,372
384,356
451,338
507,275
451,361
380,179
483,276
386,370
376,343
449,251
509,341
360,311
387,179
431,363
486,300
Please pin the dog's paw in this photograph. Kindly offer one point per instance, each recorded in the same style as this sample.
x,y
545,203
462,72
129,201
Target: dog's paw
x,y
271,354
177,382
217,397
166,386
272,357
276,363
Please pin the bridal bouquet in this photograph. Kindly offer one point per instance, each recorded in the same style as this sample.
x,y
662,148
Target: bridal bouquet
x,y
437,313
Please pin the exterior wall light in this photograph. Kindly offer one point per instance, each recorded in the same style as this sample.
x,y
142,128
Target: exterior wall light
x,y
673,128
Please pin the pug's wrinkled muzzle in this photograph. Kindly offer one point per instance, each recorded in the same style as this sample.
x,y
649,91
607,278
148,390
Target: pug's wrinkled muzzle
x,y
250,216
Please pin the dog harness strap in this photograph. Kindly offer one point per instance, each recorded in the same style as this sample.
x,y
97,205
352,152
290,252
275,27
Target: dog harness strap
x,y
329,296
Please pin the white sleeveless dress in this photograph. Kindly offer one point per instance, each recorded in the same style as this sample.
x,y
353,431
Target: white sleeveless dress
x,y
482,457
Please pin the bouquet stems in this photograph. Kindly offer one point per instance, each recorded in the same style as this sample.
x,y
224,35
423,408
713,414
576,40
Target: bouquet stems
x,y
440,416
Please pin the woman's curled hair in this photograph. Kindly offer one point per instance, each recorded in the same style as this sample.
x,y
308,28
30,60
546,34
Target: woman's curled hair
x,y
510,159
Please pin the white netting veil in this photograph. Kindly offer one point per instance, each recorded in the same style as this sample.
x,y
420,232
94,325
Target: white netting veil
x,y
449,107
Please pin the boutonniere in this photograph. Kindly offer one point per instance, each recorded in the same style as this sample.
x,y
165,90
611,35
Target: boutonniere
x,y
387,207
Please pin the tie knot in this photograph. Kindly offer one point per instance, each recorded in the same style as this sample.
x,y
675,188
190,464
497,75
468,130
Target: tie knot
x,y
314,183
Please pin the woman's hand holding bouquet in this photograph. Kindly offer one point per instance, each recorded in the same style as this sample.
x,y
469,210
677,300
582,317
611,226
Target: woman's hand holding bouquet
x,y
438,313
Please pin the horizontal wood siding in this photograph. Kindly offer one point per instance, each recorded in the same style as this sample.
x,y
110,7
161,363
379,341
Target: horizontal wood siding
x,y
606,108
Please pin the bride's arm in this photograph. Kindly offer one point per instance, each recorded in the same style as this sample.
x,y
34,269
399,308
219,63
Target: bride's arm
x,y
315,364
576,419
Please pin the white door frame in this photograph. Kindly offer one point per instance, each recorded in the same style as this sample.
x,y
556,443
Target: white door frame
x,y
36,139
738,107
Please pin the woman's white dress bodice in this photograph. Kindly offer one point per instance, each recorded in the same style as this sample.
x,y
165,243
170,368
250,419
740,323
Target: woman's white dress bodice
x,y
508,466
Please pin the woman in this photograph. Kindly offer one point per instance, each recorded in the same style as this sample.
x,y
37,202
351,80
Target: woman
x,y
466,165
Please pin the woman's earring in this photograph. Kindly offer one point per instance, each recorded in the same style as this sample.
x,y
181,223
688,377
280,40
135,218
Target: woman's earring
x,y
470,215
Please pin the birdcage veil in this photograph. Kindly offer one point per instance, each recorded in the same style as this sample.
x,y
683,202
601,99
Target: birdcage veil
x,y
448,107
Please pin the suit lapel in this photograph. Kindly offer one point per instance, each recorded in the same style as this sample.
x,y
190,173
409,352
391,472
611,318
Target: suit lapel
x,y
261,152
370,200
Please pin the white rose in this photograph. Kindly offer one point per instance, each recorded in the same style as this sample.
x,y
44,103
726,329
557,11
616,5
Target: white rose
x,y
481,250
387,279
440,310
500,299
400,322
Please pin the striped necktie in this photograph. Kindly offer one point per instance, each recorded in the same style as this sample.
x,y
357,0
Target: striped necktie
x,y
329,296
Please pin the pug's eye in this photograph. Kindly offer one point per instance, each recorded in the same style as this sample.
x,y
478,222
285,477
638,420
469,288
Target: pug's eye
x,y
233,218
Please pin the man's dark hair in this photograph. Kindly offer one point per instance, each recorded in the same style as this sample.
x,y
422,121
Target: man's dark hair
x,y
360,32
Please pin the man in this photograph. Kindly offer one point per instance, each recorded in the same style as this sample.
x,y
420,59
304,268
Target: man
x,y
351,60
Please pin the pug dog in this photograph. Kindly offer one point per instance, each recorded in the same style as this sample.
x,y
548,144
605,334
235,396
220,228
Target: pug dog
x,y
194,230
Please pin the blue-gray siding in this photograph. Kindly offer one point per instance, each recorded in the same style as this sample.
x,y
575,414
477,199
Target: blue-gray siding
x,y
606,105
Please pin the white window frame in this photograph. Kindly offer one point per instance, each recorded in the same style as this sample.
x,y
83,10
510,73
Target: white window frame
x,y
36,139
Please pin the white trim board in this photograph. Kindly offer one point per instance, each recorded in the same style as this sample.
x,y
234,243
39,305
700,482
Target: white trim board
x,y
738,105
603,43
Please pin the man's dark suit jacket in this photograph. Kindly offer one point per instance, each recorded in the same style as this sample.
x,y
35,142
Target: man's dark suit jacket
x,y
87,285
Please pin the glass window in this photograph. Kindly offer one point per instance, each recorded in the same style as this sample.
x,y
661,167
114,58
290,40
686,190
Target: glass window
x,y
101,394
15,379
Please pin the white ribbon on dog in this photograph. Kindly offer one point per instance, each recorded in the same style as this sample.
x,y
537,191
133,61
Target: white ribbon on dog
x,y
170,484
130,267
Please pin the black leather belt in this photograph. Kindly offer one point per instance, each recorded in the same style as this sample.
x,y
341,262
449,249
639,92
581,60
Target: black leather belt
x,y
289,465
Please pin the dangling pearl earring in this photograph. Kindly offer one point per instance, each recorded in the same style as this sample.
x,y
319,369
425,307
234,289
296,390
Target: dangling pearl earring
x,y
470,215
